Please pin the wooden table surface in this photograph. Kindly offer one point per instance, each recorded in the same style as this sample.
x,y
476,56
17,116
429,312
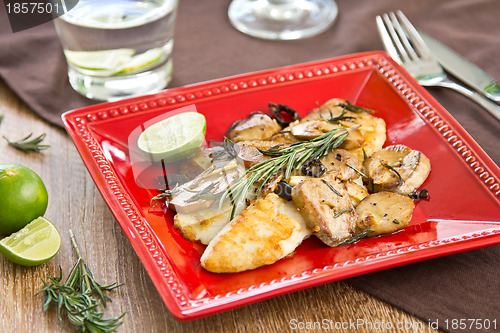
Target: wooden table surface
x,y
75,204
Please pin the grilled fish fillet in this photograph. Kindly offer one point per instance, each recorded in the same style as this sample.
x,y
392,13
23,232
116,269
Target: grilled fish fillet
x,y
201,226
265,232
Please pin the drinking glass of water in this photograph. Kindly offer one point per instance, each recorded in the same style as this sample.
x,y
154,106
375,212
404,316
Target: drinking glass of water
x,y
118,48
282,19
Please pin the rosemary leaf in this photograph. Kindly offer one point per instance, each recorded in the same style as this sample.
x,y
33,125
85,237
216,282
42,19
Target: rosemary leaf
x,y
356,238
356,170
76,297
1,118
342,212
331,188
339,117
355,108
385,165
27,144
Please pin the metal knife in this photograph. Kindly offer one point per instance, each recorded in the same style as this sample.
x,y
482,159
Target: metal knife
x,y
463,69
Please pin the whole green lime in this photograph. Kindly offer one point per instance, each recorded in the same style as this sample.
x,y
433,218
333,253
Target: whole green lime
x,y
23,197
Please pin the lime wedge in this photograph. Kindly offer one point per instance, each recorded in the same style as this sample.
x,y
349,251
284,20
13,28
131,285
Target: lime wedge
x,y
33,245
174,138
141,61
109,60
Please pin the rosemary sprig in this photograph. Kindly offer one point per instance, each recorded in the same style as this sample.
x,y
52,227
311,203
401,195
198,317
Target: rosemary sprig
x,y
356,238
285,160
27,145
385,165
356,170
354,108
365,156
340,117
330,186
342,212
76,295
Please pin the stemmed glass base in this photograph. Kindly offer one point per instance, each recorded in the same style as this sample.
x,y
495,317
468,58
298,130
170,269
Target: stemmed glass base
x,y
282,19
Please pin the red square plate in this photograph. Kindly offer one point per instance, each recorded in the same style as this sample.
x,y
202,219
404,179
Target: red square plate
x,y
463,211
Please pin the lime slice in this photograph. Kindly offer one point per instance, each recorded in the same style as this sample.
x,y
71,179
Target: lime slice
x,y
33,245
109,60
141,61
174,138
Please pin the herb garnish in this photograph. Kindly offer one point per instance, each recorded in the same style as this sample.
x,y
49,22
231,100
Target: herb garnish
x,y
342,212
77,296
284,160
356,170
330,186
362,234
27,145
385,165
1,118
339,117
420,194
354,108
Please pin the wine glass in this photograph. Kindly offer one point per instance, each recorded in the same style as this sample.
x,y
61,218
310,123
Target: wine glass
x,y
282,19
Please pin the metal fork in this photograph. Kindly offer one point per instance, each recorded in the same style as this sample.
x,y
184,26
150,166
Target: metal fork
x,y
404,44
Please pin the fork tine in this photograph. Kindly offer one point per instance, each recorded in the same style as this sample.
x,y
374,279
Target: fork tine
x,y
387,41
395,38
402,36
414,36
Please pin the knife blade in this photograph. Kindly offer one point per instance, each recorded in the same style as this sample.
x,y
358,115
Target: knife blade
x,y
463,69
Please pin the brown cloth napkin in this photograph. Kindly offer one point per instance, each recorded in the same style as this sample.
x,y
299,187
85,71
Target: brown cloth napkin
x,y
462,286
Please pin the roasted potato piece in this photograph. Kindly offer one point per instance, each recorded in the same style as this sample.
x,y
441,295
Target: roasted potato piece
x,y
326,208
257,126
384,213
265,232
397,169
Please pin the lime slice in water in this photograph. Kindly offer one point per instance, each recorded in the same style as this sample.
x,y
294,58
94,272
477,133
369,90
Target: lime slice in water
x,y
174,138
33,245
140,61
109,60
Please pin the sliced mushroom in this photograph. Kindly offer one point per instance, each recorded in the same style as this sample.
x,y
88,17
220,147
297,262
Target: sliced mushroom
x,y
343,164
257,126
314,128
326,208
355,191
384,213
397,169
249,151
329,109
